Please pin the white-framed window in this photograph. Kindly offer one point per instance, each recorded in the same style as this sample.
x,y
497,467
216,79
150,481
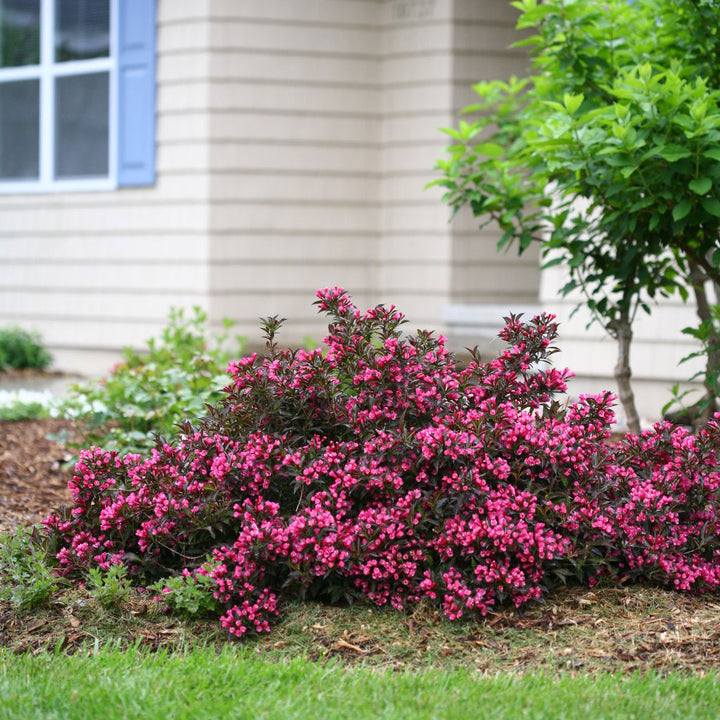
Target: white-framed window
x,y
76,94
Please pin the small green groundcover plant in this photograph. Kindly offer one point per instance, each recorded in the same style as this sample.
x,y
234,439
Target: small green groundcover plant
x,y
25,405
27,577
109,587
150,392
376,470
21,349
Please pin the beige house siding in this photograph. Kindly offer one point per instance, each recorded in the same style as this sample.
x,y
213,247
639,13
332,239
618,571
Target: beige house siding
x,y
294,151
96,271
416,69
324,120
435,51
483,33
294,142
657,348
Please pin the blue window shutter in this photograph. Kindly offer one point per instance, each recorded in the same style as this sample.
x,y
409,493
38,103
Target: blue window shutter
x,y
136,92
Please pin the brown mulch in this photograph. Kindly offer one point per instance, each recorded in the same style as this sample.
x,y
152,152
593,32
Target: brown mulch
x,y
33,476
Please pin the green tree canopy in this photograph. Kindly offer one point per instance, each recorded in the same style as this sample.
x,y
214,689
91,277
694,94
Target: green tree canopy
x,y
608,155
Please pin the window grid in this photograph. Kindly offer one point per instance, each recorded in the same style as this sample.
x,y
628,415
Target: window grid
x,y
46,72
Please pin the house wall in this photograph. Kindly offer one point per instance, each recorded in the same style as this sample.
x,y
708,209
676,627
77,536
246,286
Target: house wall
x,y
294,143
94,272
483,33
324,120
415,249
485,285
294,155
657,348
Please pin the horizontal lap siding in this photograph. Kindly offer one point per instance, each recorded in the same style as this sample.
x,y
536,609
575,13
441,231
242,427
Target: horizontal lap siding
x,y
160,248
89,277
99,271
416,100
324,131
483,32
300,186
97,219
294,156
294,142
657,348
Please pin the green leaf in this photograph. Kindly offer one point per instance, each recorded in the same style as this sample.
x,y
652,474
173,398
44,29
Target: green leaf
x,y
673,153
642,204
554,105
491,150
712,153
711,205
552,263
619,131
573,102
682,209
700,186
621,111
505,239
452,132
698,110
576,260
534,40
525,240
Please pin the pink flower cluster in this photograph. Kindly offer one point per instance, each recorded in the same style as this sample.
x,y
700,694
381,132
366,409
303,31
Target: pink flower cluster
x,y
379,471
654,514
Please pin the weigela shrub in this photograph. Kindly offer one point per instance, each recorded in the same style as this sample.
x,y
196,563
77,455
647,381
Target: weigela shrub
x,y
378,470
656,514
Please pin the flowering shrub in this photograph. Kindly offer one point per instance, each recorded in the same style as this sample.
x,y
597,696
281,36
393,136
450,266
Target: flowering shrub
x,y
656,514
379,471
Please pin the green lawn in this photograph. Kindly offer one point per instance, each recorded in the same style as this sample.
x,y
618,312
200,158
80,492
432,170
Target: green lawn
x,y
236,684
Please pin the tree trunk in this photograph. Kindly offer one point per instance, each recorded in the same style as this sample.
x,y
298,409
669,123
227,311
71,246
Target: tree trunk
x,y
712,365
623,332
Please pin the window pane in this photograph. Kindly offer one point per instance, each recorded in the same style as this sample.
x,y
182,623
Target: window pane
x,y
82,29
19,32
81,126
19,130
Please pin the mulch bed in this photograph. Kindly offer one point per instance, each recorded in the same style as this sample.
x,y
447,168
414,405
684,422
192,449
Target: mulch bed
x,y
33,472
575,630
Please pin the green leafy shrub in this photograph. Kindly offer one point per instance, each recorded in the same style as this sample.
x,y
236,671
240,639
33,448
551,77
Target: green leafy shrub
x,y
21,349
27,578
148,393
